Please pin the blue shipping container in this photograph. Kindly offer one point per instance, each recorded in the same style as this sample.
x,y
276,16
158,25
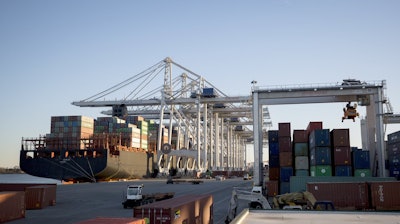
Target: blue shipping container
x,y
393,137
208,92
284,187
273,136
274,160
320,137
360,159
394,160
343,171
273,148
286,173
320,156
394,171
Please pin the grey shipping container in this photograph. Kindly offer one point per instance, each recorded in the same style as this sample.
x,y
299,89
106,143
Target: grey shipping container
x,y
184,209
12,205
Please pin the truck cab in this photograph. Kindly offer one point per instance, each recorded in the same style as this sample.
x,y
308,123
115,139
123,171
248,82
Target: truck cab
x,y
134,192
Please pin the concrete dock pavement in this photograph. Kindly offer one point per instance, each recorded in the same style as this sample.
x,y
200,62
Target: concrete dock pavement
x,y
78,202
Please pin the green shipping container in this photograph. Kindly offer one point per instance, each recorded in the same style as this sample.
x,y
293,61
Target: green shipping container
x,y
362,173
321,171
302,173
300,149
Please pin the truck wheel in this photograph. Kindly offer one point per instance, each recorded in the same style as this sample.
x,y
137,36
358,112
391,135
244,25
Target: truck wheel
x,y
255,205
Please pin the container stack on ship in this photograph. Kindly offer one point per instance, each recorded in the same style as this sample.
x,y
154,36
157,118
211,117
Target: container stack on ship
x,y
86,149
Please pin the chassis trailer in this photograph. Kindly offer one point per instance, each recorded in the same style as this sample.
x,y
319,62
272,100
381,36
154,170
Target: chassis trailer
x,y
134,196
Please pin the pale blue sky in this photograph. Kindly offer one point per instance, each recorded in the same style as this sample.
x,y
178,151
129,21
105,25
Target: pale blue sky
x,y
56,52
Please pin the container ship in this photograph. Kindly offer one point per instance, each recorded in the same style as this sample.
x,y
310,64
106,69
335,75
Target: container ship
x,y
80,148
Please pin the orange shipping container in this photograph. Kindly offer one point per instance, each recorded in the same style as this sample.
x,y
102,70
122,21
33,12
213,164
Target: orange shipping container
x,y
385,195
38,197
12,205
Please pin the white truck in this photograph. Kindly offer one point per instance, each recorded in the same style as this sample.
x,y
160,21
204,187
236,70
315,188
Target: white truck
x,y
134,196
254,196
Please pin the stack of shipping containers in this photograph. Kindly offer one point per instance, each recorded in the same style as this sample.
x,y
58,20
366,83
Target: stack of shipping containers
x,y
71,129
320,153
300,150
393,154
273,182
153,135
285,157
361,163
341,153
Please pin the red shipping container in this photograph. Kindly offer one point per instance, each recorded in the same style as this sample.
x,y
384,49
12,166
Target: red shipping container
x,y
340,137
313,125
12,205
285,159
103,220
341,155
284,130
272,188
184,209
274,173
285,144
18,186
344,195
300,136
385,195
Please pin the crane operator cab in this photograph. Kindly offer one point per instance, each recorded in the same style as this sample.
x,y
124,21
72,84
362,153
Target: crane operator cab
x,y
350,111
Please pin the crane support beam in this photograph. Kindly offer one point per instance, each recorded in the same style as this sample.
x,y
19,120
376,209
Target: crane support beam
x,y
156,102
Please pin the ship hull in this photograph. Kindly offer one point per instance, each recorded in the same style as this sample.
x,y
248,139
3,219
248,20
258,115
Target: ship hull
x,y
127,164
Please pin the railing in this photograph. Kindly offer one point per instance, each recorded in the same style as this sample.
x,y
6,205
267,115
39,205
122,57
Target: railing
x,y
319,86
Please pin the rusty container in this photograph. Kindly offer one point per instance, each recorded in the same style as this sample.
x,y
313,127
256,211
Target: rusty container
x,y
274,173
285,144
286,159
344,195
41,196
313,125
184,209
12,205
340,137
341,155
385,195
284,130
106,220
19,186
300,136
272,188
